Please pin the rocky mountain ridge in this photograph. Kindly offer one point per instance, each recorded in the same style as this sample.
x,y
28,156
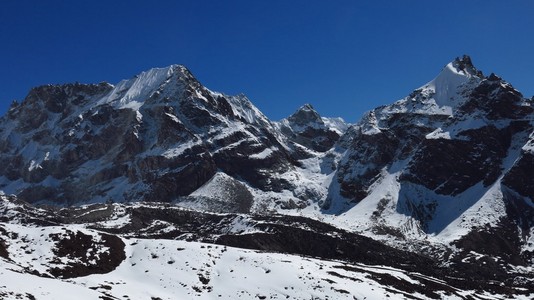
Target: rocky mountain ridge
x,y
157,136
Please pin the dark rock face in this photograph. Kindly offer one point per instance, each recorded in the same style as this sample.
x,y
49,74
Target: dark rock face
x,y
305,116
3,247
496,100
519,178
375,145
317,139
361,168
241,162
53,99
501,242
191,173
466,65
435,165
75,246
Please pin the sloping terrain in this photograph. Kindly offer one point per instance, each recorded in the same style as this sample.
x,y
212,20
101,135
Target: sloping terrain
x,y
157,251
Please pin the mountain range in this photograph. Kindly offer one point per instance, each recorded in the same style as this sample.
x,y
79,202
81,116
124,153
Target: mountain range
x,y
438,183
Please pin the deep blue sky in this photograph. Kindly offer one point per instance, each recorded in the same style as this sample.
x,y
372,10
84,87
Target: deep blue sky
x,y
343,57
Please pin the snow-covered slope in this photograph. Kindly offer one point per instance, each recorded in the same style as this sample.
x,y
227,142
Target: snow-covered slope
x,y
166,269
443,94
146,251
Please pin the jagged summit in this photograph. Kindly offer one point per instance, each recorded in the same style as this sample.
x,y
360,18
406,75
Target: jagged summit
x,y
465,64
307,128
175,70
457,75
443,94
305,115
460,66
306,106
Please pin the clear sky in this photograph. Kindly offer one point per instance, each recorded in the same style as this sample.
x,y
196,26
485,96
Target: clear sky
x,y
343,57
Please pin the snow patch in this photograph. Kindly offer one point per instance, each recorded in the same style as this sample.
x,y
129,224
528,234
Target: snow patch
x,y
529,146
263,154
438,134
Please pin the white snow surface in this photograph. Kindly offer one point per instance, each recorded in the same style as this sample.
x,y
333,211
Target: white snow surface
x,y
169,269
446,85
264,153
529,146
336,124
439,134
440,96
133,92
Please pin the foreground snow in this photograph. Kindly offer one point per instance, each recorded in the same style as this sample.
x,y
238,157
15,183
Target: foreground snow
x,y
169,269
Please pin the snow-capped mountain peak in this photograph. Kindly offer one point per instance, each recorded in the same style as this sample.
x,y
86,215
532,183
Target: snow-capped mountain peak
x,y
131,93
307,128
457,137
443,94
447,86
